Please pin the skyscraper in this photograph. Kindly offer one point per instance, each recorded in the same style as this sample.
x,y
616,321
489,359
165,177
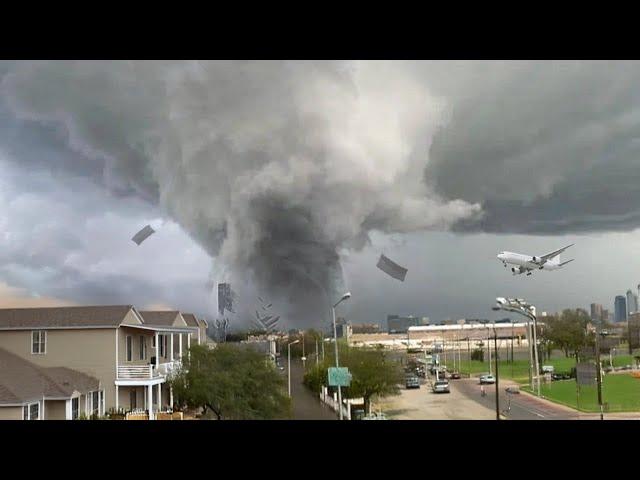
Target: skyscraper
x,y
596,311
632,302
620,309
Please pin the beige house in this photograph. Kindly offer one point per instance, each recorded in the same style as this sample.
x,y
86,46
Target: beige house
x,y
131,354
30,392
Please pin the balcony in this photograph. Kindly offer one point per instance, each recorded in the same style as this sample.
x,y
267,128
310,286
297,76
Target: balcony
x,y
147,372
136,372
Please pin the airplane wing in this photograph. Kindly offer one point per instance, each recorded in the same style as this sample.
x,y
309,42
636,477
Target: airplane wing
x,y
555,253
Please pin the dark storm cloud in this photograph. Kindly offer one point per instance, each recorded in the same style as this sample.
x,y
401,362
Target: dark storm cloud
x,y
266,164
545,147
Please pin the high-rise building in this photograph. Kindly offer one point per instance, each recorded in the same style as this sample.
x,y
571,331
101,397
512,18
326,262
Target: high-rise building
x,y
620,305
632,302
596,311
398,324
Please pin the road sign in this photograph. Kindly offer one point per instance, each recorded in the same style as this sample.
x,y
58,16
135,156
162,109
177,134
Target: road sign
x,y
339,377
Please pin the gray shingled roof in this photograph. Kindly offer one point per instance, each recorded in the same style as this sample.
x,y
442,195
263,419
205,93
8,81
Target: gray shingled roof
x,y
190,318
22,381
60,317
161,318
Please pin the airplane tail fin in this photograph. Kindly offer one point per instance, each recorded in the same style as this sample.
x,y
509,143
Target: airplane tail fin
x,y
564,263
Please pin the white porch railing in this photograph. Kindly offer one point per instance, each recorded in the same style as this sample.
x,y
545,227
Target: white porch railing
x,y
130,372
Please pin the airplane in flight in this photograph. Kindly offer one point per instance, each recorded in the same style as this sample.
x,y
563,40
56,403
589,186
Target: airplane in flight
x,y
528,263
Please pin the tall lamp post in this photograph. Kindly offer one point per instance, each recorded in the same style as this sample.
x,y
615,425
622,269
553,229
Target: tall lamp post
x,y
518,305
289,363
346,296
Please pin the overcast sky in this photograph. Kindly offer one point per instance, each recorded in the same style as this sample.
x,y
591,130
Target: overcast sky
x,y
268,173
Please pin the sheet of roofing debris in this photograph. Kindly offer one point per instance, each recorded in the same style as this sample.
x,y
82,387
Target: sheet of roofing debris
x,y
143,234
391,268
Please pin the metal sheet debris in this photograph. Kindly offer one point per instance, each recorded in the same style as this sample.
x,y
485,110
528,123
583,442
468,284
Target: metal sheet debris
x,y
143,234
391,268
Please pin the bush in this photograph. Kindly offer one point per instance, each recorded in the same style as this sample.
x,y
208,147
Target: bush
x,y
478,354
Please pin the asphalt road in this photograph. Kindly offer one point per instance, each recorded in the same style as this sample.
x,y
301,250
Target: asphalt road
x,y
513,406
306,406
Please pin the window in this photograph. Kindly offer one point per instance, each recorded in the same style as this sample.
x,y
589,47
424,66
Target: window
x,y
163,345
31,411
143,348
129,344
75,408
95,403
38,342
132,399
153,341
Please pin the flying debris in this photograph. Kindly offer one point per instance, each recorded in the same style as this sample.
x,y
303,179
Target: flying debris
x,y
391,268
268,306
266,323
143,234
225,298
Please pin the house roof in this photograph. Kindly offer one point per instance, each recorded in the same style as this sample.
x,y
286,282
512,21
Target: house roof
x,y
202,322
160,318
63,317
22,381
190,318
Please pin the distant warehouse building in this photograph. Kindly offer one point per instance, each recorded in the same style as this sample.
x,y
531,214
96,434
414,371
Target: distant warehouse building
x,y
398,324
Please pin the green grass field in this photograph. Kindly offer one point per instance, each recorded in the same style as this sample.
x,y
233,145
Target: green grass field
x,y
519,369
620,393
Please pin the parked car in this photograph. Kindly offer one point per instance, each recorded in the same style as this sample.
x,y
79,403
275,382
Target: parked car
x,y
548,369
486,378
441,386
454,375
412,381
375,416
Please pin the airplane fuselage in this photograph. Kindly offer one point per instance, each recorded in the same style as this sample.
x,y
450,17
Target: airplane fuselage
x,y
528,261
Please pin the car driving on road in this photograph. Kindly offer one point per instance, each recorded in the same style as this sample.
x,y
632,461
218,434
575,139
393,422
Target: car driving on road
x,y
441,386
486,378
411,381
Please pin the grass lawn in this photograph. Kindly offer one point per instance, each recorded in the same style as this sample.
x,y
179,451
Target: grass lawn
x,y
620,391
519,370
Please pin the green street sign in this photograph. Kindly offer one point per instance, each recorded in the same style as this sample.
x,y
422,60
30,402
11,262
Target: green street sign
x,y
339,377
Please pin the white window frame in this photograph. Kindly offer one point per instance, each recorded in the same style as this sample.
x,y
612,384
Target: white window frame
x,y
42,342
28,410
162,351
76,399
128,348
92,406
143,347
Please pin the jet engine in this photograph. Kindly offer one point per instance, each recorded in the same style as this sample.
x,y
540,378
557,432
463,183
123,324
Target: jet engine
x,y
537,259
516,269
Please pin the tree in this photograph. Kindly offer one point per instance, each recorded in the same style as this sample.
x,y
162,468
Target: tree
x,y
372,374
568,332
232,381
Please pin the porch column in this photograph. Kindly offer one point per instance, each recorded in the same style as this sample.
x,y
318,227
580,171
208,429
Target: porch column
x,y
159,397
171,348
189,345
117,394
180,345
157,350
170,397
67,410
150,400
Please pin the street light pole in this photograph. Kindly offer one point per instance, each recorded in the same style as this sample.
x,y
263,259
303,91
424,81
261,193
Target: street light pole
x,y
289,364
599,375
495,346
335,341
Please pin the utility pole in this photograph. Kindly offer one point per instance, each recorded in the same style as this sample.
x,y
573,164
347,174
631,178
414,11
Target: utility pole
x,y
495,345
599,375
489,350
